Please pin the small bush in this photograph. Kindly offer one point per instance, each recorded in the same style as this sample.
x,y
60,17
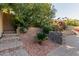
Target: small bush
x,y
58,25
23,30
61,25
41,37
46,29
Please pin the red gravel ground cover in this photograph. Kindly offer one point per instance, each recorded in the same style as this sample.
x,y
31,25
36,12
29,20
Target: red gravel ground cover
x,y
32,47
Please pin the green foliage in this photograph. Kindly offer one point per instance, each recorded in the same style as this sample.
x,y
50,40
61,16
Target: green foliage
x,y
37,15
23,29
41,13
72,22
6,7
32,14
20,15
41,37
47,28
58,25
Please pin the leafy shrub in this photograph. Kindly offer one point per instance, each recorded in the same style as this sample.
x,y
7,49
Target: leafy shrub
x,y
32,14
61,25
72,22
46,29
23,29
55,28
58,25
41,37
26,15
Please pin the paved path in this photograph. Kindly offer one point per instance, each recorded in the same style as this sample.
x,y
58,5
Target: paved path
x,y
70,48
10,45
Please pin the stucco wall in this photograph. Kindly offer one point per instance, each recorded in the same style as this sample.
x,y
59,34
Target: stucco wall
x,y
1,27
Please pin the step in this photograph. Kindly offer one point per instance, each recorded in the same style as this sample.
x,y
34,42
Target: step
x,y
9,44
4,40
9,38
9,32
6,35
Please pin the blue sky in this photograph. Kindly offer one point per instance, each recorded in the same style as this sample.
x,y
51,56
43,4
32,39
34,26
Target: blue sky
x,y
70,10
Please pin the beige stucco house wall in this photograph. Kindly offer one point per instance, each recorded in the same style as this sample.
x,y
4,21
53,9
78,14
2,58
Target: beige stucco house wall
x,y
1,26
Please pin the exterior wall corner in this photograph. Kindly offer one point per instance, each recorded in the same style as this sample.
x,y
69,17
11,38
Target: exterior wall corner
x,y
1,24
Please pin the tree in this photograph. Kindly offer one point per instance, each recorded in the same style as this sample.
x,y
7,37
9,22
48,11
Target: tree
x,y
32,14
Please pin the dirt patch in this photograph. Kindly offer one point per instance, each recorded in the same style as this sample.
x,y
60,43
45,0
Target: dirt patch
x,y
71,31
68,32
32,47
76,29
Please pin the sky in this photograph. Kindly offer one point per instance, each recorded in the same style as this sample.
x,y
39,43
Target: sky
x,y
70,10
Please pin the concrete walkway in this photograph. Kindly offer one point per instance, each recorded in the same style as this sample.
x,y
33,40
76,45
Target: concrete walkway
x,y
11,45
70,48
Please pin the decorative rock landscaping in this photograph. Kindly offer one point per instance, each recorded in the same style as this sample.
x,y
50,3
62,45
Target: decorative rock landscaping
x,y
32,47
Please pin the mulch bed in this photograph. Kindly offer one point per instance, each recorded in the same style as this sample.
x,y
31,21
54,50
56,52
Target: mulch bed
x,y
33,48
